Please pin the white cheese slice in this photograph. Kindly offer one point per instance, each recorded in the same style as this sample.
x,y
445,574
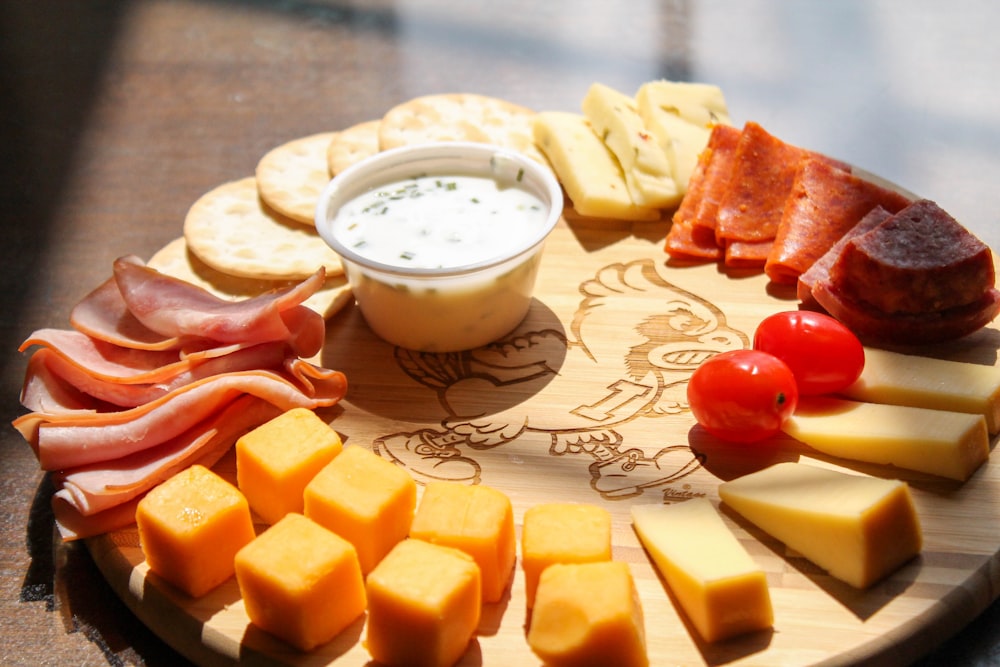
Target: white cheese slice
x,y
906,379
857,528
616,120
720,588
701,104
587,169
681,117
939,442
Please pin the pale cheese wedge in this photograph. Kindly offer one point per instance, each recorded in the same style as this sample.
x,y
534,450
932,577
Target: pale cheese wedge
x,y
857,528
588,171
939,442
701,104
681,117
648,174
906,379
720,588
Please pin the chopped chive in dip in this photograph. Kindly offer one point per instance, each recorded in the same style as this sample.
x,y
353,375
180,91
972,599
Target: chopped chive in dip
x,y
440,221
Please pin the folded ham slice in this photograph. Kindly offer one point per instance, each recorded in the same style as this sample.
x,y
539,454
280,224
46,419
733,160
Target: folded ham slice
x,y
74,439
142,308
94,488
49,363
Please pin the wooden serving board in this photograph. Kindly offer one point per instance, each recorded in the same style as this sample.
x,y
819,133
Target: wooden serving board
x,y
586,402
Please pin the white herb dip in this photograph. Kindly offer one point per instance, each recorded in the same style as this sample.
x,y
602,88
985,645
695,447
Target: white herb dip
x,y
431,222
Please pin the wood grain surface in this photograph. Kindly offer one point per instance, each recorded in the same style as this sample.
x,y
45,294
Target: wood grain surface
x,y
585,402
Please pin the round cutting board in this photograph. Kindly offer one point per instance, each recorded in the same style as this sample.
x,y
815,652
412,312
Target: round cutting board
x,y
585,402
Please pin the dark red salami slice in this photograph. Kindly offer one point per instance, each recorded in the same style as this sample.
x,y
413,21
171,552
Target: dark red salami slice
x,y
919,260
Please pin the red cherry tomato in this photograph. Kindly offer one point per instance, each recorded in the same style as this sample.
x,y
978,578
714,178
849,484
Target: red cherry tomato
x,y
824,355
742,395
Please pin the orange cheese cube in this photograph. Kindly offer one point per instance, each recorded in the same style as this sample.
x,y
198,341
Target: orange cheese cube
x,y
479,520
190,528
562,533
367,500
424,605
588,614
276,460
300,582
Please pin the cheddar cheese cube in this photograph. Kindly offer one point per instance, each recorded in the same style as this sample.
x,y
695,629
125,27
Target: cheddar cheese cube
x,y
562,533
365,499
424,605
478,520
588,614
720,588
276,460
300,582
190,528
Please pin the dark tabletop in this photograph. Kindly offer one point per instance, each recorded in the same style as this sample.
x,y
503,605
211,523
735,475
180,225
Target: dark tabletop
x,y
116,116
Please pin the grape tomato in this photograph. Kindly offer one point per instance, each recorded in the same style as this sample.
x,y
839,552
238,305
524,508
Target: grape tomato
x,y
742,395
823,354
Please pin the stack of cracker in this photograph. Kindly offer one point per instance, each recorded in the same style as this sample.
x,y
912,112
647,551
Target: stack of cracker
x,y
258,233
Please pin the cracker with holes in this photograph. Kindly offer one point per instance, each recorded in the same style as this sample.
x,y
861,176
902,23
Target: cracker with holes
x,y
290,177
460,117
233,231
352,145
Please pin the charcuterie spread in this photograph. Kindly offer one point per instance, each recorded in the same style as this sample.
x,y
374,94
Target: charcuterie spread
x,y
215,350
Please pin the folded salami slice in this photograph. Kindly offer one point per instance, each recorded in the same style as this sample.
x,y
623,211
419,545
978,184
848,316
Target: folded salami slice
x,y
692,233
825,202
723,144
763,172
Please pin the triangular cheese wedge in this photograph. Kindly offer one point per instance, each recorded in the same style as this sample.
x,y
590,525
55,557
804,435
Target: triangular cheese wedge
x,y
722,591
857,528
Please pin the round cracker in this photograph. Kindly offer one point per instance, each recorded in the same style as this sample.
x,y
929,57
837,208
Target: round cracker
x,y
233,231
176,259
291,176
352,145
460,117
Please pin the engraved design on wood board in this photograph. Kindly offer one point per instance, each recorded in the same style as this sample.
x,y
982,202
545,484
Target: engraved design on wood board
x,y
493,395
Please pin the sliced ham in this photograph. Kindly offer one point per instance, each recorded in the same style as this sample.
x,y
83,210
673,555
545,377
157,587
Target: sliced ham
x,y
104,315
107,361
96,487
176,309
825,202
155,375
132,394
74,526
70,440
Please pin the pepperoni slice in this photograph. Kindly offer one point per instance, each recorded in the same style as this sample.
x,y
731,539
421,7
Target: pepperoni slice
x,y
763,172
825,202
